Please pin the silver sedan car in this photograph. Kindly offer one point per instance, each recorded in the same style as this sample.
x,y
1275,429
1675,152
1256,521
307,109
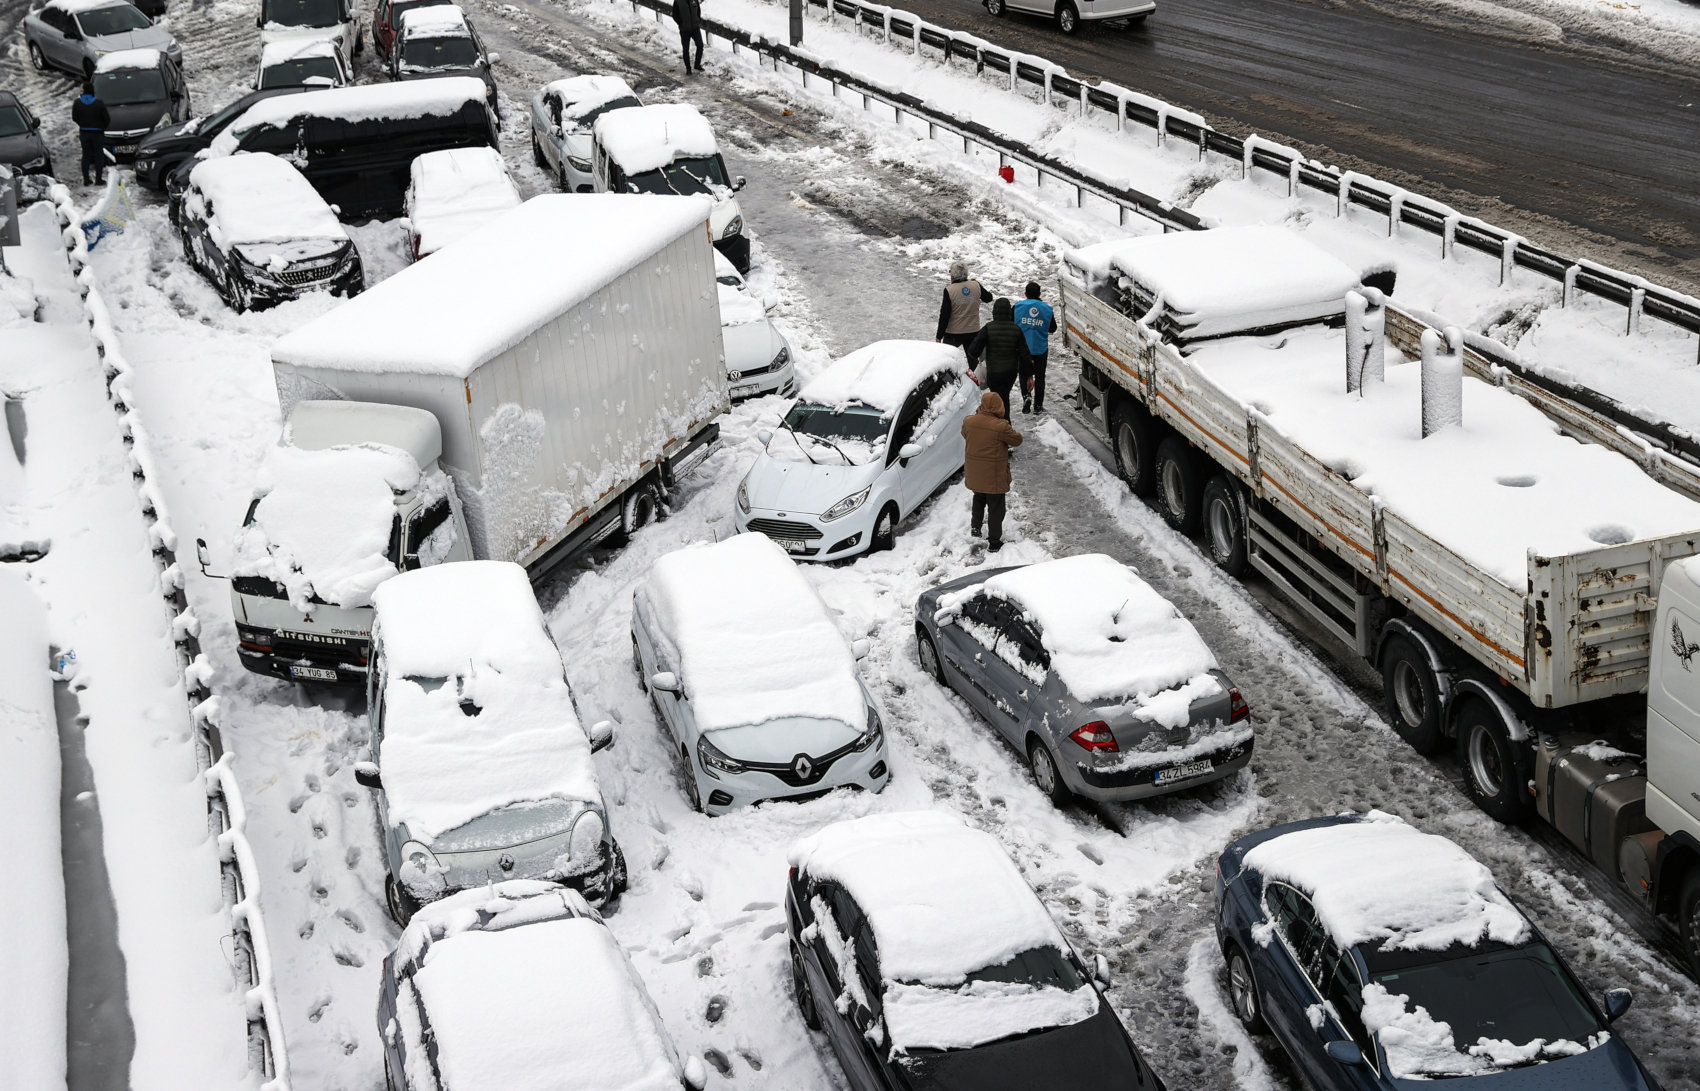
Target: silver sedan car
x,y
75,34
1090,674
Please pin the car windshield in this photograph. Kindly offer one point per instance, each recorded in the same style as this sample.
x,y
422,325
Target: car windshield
x,y
302,13
681,176
129,86
588,118
1507,994
857,422
511,826
113,20
12,121
1038,966
297,72
457,52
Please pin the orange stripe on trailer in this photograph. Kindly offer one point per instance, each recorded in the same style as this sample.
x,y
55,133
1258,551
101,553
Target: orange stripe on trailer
x,y
1332,529
1106,354
1454,618
1214,438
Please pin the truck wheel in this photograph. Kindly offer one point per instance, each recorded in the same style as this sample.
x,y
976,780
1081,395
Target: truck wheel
x,y
1413,695
1493,768
640,508
1068,17
1180,485
1133,437
885,531
1225,525
1688,919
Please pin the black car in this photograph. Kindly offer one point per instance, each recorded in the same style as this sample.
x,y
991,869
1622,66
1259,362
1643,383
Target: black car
x,y
438,40
901,927
142,88
21,145
161,151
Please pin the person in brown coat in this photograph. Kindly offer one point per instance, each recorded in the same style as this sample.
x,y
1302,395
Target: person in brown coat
x,y
989,437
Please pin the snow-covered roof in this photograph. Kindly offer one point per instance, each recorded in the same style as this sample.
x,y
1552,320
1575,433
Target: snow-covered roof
x,y
474,631
753,639
434,21
314,426
456,191
644,138
1227,279
284,50
548,1006
257,197
128,58
738,307
405,99
511,275
1381,881
1110,635
587,91
880,375
77,7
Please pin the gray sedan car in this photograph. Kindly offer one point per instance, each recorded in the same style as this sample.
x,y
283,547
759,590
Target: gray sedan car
x,y
74,34
21,145
1087,671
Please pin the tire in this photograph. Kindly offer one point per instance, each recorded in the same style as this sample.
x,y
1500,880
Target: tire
x,y
641,507
537,153
401,904
88,69
1133,438
1068,17
1242,991
1688,919
37,58
637,665
995,8
800,990
1225,525
619,878
692,793
1045,774
359,41
1180,486
884,535
927,653
1495,777
1412,694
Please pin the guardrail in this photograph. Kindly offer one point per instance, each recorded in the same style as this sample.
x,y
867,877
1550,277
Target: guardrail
x,y
226,815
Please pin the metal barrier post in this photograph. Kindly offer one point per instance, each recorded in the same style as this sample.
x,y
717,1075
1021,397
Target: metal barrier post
x,y
796,22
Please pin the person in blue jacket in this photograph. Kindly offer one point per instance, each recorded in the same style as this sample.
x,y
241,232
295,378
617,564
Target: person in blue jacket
x,y
91,118
1037,322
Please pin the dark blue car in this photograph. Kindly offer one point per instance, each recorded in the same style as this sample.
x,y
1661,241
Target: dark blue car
x,y
1330,926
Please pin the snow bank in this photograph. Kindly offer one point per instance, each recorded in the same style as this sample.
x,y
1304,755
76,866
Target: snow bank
x,y
259,198
456,191
435,21
645,138
512,274
128,58
880,375
751,636
1378,880
413,98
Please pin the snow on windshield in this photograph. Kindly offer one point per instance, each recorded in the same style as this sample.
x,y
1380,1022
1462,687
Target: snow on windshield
x,y
852,435
1418,1046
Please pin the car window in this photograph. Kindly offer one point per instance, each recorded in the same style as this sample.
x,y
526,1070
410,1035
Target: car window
x,y
867,968
55,19
1295,919
1342,989
113,20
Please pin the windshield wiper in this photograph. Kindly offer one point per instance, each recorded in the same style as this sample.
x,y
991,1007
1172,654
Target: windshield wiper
x,y
798,437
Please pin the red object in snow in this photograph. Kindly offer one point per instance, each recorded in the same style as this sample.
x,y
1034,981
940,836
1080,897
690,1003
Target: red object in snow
x,y
1007,173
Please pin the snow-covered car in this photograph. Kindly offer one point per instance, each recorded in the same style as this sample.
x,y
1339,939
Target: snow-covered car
x,y
453,193
670,149
166,148
929,962
333,21
143,89
867,442
74,34
562,115
261,235
758,357
519,985
1382,958
439,40
386,20
310,62
1091,674
482,766
21,145
1069,14
751,678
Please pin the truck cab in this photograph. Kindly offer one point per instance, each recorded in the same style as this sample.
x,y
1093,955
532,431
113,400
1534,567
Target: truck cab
x,y
354,494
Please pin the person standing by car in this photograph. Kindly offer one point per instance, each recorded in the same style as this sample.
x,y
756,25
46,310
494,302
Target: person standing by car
x,y
959,314
91,117
988,436
1037,322
1004,348
688,14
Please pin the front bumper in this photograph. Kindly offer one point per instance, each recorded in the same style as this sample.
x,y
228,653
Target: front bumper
x,y
269,293
806,537
737,251
123,145
1113,785
312,670
763,381
722,792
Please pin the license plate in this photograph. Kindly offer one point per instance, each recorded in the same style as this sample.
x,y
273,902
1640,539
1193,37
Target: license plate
x,y
125,149
1183,772
742,389
314,674
790,545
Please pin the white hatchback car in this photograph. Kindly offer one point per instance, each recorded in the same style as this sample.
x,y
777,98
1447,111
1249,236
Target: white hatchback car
x,y
756,685
758,357
867,442
562,114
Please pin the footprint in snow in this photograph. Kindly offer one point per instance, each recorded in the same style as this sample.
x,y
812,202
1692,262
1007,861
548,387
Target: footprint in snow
x,y
352,920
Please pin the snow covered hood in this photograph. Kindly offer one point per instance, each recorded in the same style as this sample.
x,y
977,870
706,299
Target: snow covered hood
x,y
128,58
511,275
644,138
462,636
1227,279
579,94
257,197
293,49
434,21
410,98
880,375
1378,880
455,192
753,639
737,307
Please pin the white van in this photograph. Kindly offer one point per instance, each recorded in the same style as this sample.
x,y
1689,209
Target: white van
x,y
1069,14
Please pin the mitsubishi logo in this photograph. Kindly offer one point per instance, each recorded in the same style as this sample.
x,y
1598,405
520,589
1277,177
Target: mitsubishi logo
x,y
802,767
505,862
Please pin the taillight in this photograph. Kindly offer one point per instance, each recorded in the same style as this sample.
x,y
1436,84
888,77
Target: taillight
x,y
1094,736
1237,708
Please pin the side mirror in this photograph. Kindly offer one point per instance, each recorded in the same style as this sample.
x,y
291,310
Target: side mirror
x,y
260,19
202,554
764,436
35,124
860,647
908,451
1344,1052
601,735
1101,971
665,681
366,775
737,183
493,58
696,1076
74,33
1618,1001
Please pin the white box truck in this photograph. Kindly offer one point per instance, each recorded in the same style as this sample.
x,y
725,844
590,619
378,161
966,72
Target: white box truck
x,y
528,392
1528,593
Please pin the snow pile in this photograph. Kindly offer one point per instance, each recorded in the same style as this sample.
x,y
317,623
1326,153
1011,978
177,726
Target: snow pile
x,y
737,308
511,275
1418,1046
324,521
752,639
128,58
477,715
442,97
434,21
548,1006
1379,880
455,192
259,198
880,375
645,138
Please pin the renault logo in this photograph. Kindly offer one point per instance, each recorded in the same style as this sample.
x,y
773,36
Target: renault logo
x,y
505,862
802,767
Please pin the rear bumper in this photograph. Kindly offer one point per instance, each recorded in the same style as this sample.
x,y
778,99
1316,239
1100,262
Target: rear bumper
x,y
291,668
1141,782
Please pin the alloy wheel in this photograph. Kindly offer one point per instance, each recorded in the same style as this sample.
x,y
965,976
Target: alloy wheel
x,y
1408,693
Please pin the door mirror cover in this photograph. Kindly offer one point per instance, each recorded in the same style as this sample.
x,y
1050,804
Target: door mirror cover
x,y
1344,1052
1618,1001
860,647
909,450
601,735
737,183
366,775
665,681
765,436
1101,970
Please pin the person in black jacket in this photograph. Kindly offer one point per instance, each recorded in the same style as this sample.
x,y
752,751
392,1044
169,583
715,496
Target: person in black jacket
x,y
688,14
1004,348
91,118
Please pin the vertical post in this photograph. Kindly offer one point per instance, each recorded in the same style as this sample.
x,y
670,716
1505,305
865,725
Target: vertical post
x,y
1569,296
1355,354
1395,211
1375,337
1443,380
1293,176
1637,297
1343,198
1507,258
1449,235
797,21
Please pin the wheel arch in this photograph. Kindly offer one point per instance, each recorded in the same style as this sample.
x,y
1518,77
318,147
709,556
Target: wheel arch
x,y
1679,857
1432,647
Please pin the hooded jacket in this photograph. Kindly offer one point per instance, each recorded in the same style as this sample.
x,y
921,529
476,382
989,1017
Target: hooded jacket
x,y
1002,344
90,114
989,437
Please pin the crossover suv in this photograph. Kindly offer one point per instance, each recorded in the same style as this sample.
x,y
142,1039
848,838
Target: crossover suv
x,y
309,62
562,115
74,34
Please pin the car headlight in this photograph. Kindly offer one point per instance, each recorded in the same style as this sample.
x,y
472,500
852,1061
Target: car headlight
x,y
744,497
736,227
846,506
873,735
415,854
586,841
579,164
713,761
781,358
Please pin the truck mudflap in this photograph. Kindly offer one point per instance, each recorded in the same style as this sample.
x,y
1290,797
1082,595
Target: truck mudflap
x,y
1593,794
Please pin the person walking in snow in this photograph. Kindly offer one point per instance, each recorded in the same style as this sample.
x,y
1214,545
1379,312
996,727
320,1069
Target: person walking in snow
x,y
688,14
988,437
959,314
1037,322
1004,348
91,118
